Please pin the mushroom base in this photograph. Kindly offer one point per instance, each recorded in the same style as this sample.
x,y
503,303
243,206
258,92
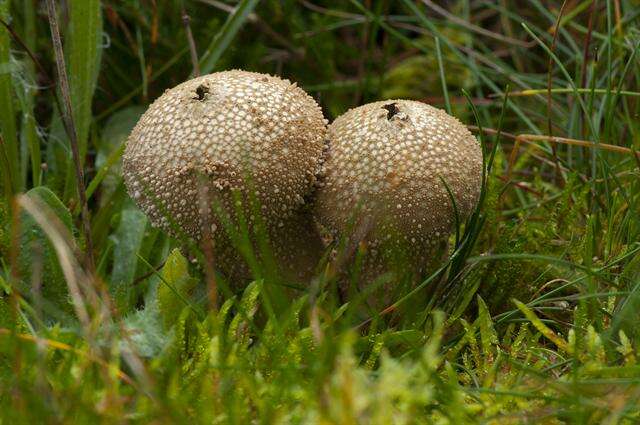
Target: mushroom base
x,y
289,253
377,276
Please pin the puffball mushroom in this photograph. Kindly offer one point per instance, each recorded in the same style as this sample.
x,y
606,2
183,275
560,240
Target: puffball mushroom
x,y
226,133
386,163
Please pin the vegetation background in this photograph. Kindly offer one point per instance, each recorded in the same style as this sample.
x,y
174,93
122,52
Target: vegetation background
x,y
532,318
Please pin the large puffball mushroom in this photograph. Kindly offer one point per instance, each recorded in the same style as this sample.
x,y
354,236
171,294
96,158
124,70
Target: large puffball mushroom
x,y
218,136
386,164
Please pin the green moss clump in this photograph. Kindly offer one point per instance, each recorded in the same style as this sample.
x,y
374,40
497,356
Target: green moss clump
x,y
537,232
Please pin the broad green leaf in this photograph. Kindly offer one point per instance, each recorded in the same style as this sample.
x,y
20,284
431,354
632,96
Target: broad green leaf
x,y
175,277
29,134
9,149
83,52
127,240
116,130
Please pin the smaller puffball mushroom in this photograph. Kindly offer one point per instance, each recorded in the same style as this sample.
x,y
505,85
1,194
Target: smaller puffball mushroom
x,y
386,164
222,139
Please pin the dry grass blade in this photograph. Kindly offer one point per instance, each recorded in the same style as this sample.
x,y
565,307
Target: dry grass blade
x,y
587,43
331,12
76,279
186,22
207,244
534,92
23,46
556,29
67,115
59,237
533,138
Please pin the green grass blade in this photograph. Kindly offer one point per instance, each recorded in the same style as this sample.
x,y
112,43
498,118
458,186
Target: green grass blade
x,y
223,38
83,41
173,289
28,129
9,144
102,172
541,327
443,80
469,61
567,76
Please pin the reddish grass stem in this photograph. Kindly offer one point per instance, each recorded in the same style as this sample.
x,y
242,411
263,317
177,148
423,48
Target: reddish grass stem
x,y
186,21
69,124
558,176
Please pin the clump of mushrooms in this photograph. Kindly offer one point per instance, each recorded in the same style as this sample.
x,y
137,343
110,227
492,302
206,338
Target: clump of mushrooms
x,y
212,139
388,162
406,170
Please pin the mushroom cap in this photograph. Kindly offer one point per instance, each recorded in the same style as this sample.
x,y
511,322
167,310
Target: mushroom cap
x,y
385,163
219,134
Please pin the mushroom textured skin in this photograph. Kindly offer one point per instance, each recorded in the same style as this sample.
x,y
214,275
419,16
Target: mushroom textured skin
x,y
387,162
219,134
295,246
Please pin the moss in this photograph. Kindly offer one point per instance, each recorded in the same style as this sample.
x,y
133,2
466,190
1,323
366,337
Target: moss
x,y
555,229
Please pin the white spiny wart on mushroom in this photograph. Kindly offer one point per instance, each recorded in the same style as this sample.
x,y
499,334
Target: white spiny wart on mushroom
x,y
386,164
228,132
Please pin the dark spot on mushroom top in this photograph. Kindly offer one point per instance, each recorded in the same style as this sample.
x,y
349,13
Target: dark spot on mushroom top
x,y
392,109
201,91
